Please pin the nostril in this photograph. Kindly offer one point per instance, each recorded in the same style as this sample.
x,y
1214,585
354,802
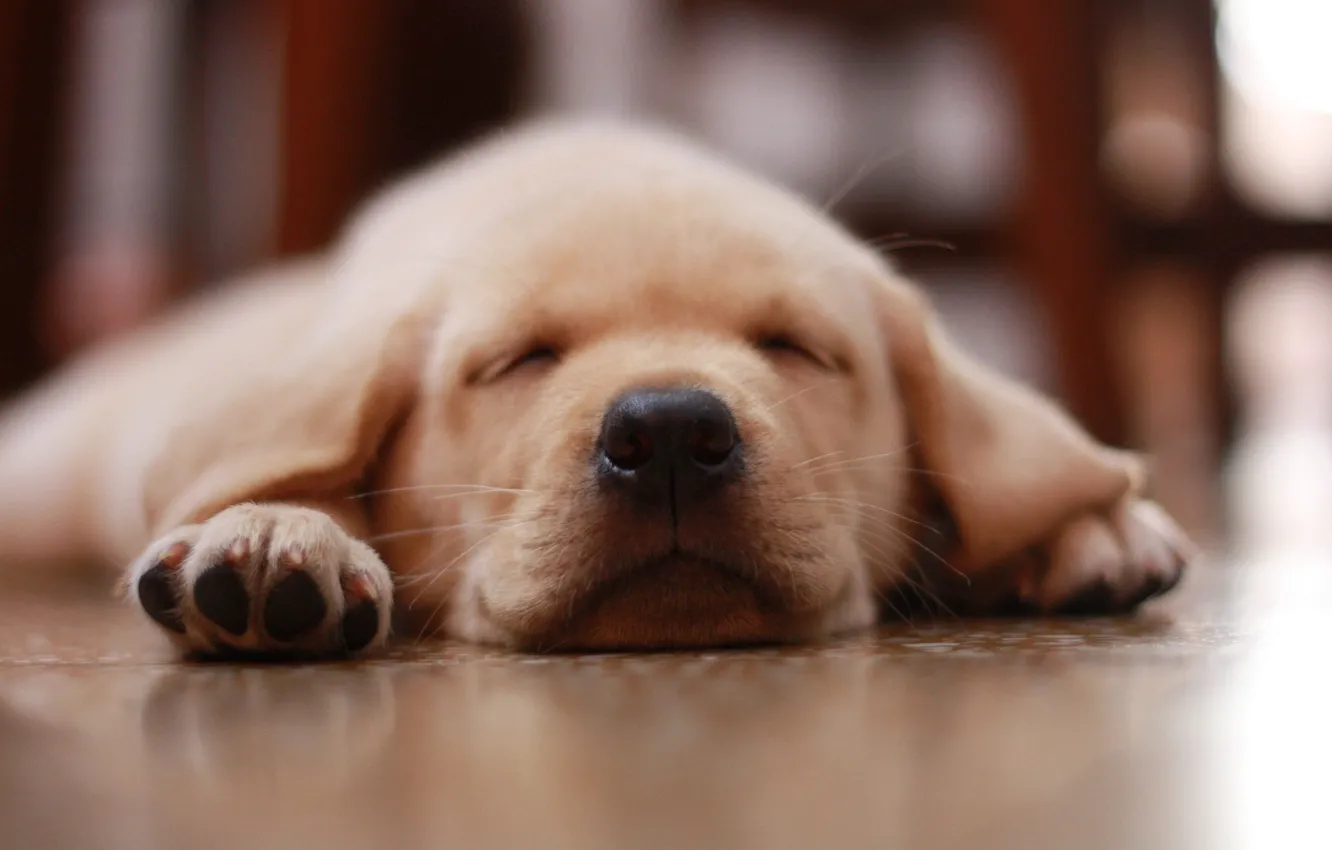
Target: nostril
x,y
626,446
652,437
713,442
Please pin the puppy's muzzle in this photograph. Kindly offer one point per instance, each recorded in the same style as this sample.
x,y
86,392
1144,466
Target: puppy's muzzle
x,y
668,447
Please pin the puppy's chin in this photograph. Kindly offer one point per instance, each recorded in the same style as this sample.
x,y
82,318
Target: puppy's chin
x,y
676,602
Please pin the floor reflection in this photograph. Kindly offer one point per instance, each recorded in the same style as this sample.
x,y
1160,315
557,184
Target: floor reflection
x,y
1200,725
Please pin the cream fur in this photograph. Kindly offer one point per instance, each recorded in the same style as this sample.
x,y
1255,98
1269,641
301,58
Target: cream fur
x,y
379,368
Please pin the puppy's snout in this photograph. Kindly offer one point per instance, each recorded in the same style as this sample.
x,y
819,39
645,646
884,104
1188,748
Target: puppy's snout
x,y
661,442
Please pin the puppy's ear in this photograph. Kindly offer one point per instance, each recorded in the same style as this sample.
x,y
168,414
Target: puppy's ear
x,y
311,380
1009,465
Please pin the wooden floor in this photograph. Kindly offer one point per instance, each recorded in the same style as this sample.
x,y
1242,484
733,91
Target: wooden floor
x,y
1203,724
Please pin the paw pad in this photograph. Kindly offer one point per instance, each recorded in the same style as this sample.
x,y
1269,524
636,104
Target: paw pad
x,y
360,625
227,587
220,595
157,595
294,607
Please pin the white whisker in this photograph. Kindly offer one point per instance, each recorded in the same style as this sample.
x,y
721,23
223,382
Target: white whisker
x,y
505,521
898,241
436,574
484,492
793,395
466,489
855,461
866,168
855,503
815,459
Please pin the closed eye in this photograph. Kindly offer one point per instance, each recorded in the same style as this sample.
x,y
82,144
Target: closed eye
x,y
781,345
535,356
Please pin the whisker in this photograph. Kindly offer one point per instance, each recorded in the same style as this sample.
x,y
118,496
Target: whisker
x,y
412,580
927,594
858,176
505,521
795,394
467,488
901,615
882,596
873,522
956,479
814,459
436,574
854,461
932,602
903,545
413,532
898,241
856,503
485,492
447,568
864,462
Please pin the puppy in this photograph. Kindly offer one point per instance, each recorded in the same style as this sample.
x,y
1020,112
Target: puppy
x,y
580,387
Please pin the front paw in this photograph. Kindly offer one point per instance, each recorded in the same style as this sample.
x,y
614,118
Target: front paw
x,y
1106,563
265,579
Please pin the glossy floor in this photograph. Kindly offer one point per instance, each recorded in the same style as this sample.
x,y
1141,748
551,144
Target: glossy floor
x,y
1203,724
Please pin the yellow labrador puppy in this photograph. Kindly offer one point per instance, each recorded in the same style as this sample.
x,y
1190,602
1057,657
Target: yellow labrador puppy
x,y
582,386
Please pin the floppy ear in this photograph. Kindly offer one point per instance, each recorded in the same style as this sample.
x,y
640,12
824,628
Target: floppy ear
x,y
289,395
1009,465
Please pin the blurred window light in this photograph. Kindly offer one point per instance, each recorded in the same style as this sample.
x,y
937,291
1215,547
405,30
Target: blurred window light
x,y
1157,163
122,133
1276,50
965,142
768,90
1280,352
1276,103
596,57
1279,476
995,319
932,125
1155,152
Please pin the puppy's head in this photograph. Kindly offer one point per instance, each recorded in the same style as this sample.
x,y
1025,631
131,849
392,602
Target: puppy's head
x,y
663,408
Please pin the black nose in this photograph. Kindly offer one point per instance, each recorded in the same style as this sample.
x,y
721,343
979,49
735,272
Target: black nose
x,y
664,442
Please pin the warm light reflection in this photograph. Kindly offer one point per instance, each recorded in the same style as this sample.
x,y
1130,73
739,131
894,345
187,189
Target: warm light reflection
x,y
1275,758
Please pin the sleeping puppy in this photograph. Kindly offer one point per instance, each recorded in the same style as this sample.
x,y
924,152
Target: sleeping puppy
x,y
581,387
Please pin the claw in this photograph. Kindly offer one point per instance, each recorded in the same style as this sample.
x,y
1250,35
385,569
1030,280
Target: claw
x,y
239,551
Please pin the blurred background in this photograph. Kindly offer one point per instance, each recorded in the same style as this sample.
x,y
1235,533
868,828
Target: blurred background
x,y
1126,202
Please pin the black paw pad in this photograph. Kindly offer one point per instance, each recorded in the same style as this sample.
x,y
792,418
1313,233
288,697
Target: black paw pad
x,y
220,596
1151,586
1172,582
157,595
360,625
295,605
1098,598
